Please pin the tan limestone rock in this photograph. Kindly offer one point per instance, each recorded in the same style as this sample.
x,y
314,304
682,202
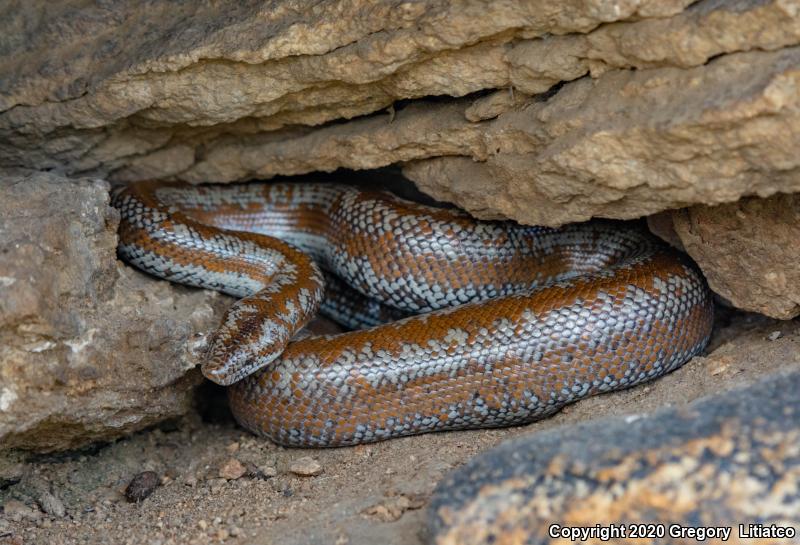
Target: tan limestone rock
x,y
138,107
748,250
89,349
626,145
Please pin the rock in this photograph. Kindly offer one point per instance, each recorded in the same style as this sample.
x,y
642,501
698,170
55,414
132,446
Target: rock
x,y
574,155
701,465
748,251
391,509
111,96
15,511
194,106
217,485
90,350
51,504
43,493
141,486
262,472
577,156
232,469
305,467
268,471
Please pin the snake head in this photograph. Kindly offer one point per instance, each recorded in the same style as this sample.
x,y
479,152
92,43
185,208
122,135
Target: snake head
x,y
255,331
246,341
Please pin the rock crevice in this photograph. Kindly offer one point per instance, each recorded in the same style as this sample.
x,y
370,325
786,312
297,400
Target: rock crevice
x,y
537,111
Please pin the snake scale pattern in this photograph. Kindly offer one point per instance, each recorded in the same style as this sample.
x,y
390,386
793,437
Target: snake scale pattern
x,y
459,323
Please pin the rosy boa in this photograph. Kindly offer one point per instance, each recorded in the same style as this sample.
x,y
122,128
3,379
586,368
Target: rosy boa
x,y
512,322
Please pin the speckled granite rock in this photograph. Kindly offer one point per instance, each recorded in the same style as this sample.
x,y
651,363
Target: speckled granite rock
x,y
726,460
749,250
89,349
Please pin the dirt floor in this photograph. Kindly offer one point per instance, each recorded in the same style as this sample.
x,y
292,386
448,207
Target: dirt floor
x,y
219,484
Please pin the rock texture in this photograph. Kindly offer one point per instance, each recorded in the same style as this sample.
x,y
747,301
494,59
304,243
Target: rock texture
x,y
89,349
231,98
110,95
749,250
633,143
698,466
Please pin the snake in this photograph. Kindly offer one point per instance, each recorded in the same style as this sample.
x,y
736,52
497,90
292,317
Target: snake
x,y
452,322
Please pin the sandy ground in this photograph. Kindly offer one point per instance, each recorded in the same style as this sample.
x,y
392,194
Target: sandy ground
x,y
366,494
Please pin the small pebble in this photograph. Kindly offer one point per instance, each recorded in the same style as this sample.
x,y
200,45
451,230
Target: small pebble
x,y
252,471
16,511
217,485
232,469
268,471
141,486
392,509
719,369
306,467
51,504
106,495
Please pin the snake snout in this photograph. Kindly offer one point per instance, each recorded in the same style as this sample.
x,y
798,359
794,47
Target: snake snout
x,y
225,364
219,365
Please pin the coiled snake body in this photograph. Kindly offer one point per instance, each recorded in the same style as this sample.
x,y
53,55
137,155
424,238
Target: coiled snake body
x,y
546,316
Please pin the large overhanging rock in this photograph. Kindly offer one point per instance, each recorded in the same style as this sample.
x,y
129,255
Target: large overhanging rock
x,y
625,145
629,144
231,98
89,349
104,92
